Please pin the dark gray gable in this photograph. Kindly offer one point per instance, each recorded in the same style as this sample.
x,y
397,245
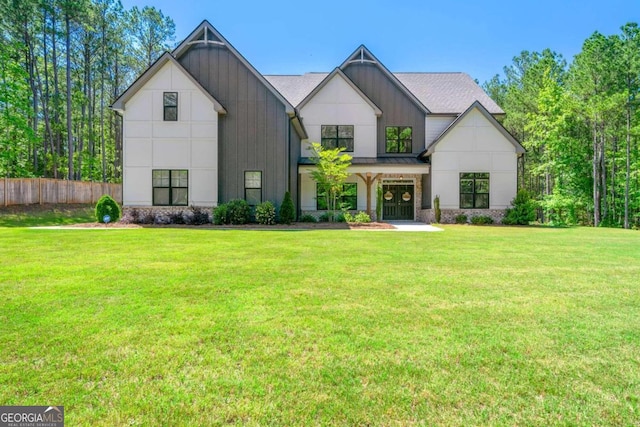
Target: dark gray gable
x,y
205,34
362,55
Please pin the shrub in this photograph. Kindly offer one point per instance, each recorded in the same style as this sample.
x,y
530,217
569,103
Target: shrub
x,y
436,207
177,217
161,219
238,211
196,216
308,218
146,217
523,210
287,210
130,216
107,206
326,217
461,219
221,214
360,217
481,220
266,213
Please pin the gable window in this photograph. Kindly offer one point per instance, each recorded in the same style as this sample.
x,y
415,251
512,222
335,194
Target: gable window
x,y
253,187
398,139
170,104
474,191
170,187
347,200
337,136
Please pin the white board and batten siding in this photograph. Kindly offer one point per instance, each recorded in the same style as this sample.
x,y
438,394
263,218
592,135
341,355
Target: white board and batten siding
x,y
435,125
190,143
474,145
337,103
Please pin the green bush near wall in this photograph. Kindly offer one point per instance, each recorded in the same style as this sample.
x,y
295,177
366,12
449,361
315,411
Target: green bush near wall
x,y
107,206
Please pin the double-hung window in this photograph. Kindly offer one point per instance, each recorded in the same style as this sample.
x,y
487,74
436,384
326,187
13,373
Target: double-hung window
x,y
337,136
253,187
170,187
170,106
474,190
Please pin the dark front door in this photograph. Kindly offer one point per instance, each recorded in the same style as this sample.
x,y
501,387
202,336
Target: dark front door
x,y
397,202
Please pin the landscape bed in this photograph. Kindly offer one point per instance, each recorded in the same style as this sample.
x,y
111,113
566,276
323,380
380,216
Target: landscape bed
x,y
197,326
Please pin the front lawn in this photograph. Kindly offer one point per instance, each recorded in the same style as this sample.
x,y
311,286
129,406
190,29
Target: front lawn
x,y
474,325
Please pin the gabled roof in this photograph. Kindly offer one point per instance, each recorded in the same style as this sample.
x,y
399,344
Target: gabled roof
x,y
207,34
118,105
362,55
296,87
476,105
442,93
338,72
447,93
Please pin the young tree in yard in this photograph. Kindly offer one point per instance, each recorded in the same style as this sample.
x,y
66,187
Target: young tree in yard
x,y
330,173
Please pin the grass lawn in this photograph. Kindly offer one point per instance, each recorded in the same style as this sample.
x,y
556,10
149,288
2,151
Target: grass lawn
x,y
45,215
470,326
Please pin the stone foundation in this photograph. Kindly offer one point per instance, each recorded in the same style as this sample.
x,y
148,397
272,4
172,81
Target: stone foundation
x,y
448,216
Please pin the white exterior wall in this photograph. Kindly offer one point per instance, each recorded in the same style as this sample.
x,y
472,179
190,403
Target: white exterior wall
x,y
151,143
435,125
474,145
337,103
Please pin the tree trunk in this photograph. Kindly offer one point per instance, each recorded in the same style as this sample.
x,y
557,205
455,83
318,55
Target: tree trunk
x,y
596,176
67,22
628,169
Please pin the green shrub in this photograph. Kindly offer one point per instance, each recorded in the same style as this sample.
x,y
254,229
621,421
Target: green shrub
x,y
436,207
266,213
107,206
332,217
523,210
461,219
481,220
308,218
238,212
360,217
287,210
221,214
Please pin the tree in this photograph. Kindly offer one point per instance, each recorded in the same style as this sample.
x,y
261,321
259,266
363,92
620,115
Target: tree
x,y
152,32
330,173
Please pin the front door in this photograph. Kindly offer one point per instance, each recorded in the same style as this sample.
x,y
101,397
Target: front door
x,y
397,202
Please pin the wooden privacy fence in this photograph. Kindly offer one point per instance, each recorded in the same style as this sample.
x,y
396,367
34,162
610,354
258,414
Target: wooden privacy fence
x,y
27,191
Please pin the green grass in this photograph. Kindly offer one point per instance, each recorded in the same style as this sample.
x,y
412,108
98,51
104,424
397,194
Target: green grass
x,y
45,215
470,326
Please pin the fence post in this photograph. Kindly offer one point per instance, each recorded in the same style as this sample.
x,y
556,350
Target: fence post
x,y
6,191
40,190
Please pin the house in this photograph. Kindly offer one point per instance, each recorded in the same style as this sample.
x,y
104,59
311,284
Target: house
x,y
202,126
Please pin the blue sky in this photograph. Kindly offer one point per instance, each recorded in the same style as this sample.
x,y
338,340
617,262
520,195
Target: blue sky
x,y
478,37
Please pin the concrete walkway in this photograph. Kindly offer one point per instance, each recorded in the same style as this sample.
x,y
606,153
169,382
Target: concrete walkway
x,y
413,226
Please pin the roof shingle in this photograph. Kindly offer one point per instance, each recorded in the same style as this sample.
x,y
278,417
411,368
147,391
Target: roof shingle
x,y
441,93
